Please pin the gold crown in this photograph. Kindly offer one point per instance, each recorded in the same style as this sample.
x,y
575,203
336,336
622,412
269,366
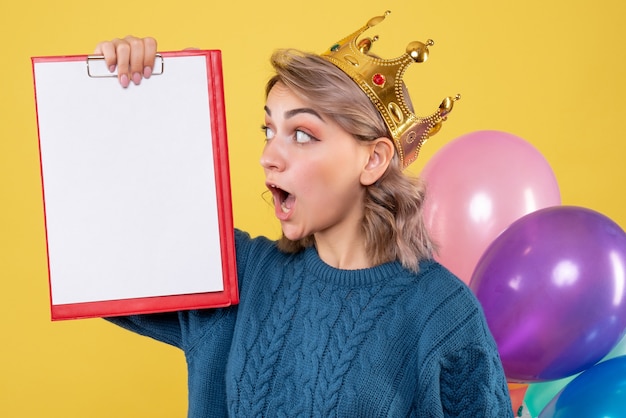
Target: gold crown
x,y
381,80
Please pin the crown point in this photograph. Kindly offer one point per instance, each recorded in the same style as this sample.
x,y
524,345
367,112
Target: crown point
x,y
376,20
418,51
446,105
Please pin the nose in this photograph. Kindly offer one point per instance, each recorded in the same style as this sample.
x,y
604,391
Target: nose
x,y
273,157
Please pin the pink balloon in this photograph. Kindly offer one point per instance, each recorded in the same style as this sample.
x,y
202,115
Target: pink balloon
x,y
477,185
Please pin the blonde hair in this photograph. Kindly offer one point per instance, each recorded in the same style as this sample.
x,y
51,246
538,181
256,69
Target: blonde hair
x,y
393,210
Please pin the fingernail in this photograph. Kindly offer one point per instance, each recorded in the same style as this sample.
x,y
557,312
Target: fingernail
x,y
136,78
147,72
124,80
112,68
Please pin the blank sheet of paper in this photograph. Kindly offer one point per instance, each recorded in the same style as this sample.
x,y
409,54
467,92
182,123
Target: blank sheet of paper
x,y
129,184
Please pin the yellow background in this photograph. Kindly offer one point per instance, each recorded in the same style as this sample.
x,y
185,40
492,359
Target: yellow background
x,y
549,72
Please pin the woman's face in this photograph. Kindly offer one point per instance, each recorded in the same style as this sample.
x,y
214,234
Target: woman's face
x,y
312,167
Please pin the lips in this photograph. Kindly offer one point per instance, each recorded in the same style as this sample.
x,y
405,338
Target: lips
x,y
283,201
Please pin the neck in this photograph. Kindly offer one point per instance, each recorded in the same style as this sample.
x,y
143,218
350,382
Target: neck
x,y
343,250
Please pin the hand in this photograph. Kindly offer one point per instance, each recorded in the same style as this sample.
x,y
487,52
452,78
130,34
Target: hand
x,y
133,57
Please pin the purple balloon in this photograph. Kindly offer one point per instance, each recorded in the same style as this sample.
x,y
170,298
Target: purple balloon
x,y
553,288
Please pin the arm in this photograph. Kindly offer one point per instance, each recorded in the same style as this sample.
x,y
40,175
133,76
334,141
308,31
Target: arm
x,y
163,327
182,329
461,374
473,384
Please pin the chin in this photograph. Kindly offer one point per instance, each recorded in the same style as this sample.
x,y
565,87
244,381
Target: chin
x,y
292,235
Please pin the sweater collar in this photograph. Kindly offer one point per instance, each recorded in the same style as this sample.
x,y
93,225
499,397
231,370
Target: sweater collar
x,y
360,277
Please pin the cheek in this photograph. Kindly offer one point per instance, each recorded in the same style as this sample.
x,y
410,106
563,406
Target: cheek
x,y
310,181
331,183
329,175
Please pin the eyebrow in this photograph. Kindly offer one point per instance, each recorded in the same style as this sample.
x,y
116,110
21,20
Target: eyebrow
x,y
293,112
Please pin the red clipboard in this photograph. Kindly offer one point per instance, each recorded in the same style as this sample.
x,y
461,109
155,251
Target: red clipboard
x,y
135,186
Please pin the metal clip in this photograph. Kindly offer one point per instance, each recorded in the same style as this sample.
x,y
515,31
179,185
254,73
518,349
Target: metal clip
x,y
96,67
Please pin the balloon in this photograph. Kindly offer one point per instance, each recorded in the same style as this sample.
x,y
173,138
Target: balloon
x,y
517,392
599,392
553,288
477,185
540,394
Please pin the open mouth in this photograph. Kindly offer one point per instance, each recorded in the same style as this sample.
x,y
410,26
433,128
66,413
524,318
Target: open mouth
x,y
282,199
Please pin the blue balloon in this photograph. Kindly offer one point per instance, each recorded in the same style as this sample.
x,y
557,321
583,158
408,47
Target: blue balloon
x,y
538,395
598,392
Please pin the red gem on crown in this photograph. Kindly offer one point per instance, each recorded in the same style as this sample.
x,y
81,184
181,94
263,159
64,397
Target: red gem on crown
x,y
378,79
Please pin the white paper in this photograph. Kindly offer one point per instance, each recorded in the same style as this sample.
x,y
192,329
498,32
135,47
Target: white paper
x,y
128,174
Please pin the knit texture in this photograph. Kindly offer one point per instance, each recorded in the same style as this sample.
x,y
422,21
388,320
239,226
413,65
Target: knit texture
x,y
311,340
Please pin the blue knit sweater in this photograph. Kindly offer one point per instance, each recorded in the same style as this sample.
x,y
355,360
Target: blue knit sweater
x,y
311,340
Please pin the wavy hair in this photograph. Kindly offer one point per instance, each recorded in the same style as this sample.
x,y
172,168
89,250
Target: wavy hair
x,y
393,222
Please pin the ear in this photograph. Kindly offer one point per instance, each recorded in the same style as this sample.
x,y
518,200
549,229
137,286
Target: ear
x,y
381,152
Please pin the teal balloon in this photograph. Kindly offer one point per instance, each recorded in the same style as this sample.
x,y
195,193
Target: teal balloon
x,y
538,395
598,392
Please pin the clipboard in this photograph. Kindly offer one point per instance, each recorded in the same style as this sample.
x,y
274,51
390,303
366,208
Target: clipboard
x,y
135,186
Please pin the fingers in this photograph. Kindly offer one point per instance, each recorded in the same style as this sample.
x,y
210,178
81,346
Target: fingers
x,y
136,53
150,50
108,51
133,57
123,57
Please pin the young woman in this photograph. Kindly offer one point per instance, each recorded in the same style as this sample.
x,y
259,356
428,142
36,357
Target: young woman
x,y
347,314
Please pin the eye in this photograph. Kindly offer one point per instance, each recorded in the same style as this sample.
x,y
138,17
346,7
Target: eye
x,y
269,134
302,137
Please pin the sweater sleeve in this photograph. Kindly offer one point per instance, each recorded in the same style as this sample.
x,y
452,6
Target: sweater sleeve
x,y
462,371
183,329
164,327
473,384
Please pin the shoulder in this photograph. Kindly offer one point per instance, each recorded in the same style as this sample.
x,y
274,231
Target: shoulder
x,y
449,313
260,249
245,243
438,288
258,258
251,249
